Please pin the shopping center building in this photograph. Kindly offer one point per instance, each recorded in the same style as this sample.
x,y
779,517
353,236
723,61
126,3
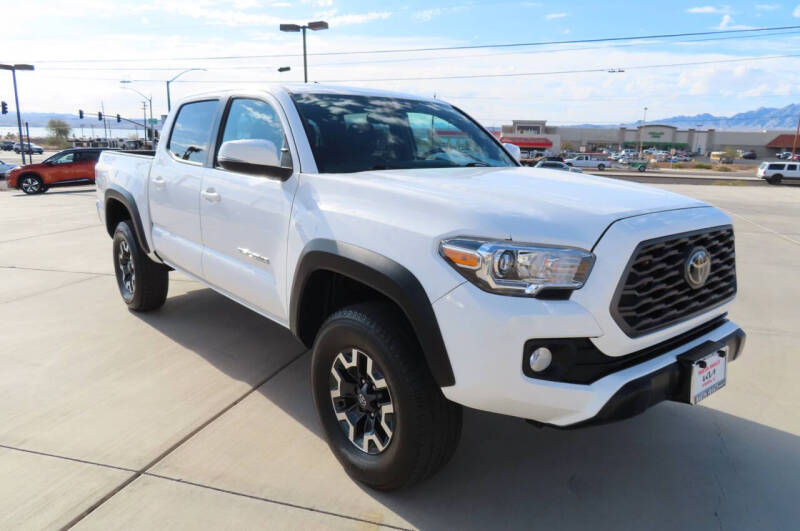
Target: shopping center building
x,y
537,136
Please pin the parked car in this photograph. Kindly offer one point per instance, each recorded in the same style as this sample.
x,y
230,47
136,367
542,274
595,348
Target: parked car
x,y
73,166
784,155
7,145
749,155
589,160
5,167
680,158
777,172
425,271
721,157
28,148
555,165
554,158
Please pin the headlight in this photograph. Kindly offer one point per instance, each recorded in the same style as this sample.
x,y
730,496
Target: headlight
x,y
519,269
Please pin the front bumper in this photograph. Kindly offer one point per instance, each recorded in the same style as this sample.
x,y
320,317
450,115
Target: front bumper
x,y
486,357
670,382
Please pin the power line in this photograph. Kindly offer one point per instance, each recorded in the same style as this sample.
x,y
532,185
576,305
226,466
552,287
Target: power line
x,y
558,72
431,49
434,58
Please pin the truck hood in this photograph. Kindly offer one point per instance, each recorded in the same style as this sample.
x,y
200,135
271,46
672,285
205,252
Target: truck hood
x,y
524,204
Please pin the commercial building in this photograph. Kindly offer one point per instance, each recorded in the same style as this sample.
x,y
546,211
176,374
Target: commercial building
x,y
536,136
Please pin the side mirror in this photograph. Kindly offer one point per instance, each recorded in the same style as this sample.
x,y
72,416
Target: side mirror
x,y
514,150
252,156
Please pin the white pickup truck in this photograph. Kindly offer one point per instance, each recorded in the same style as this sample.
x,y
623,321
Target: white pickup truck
x,y
424,267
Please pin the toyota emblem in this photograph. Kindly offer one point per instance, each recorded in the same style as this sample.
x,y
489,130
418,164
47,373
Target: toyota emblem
x,y
697,267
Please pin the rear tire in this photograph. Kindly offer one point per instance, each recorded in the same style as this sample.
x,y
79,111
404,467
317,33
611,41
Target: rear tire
x,y
392,434
642,168
142,282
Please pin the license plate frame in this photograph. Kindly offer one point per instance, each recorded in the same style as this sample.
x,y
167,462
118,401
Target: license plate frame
x,y
708,374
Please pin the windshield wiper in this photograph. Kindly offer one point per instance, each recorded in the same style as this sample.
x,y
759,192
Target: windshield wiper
x,y
471,164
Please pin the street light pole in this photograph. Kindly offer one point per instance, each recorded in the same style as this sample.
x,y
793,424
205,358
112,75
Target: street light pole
x,y
169,103
305,60
641,132
313,26
147,99
14,69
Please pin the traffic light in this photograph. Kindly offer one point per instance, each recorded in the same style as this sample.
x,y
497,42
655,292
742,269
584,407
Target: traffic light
x,y
99,117
80,114
4,106
118,119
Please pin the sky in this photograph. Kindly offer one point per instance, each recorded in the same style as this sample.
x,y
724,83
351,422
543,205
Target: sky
x,y
81,50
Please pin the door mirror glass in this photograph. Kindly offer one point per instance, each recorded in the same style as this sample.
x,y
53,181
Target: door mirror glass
x,y
252,155
513,150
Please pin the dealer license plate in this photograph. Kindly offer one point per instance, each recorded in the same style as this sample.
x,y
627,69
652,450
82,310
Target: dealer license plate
x,y
708,375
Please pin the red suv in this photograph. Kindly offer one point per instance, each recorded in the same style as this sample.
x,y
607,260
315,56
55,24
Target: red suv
x,y
73,166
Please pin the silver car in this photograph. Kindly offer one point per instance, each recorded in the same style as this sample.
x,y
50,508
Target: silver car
x,y
555,165
5,167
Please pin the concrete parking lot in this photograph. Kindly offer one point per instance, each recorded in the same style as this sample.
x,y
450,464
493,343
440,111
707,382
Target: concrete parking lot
x,y
199,415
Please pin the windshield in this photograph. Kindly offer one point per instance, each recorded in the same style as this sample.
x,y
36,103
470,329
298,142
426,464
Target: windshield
x,y
359,133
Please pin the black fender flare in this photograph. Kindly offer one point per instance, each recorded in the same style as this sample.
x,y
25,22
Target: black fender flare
x,y
123,196
384,276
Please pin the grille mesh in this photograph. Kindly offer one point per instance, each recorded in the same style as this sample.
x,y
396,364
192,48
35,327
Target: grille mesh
x,y
653,292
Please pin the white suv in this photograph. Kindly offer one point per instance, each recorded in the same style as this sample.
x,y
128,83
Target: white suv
x,y
776,172
424,268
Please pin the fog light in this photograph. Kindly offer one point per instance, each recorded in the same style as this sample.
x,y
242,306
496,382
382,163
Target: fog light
x,y
540,359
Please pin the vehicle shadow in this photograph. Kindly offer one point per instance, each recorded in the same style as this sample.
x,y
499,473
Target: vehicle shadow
x,y
674,467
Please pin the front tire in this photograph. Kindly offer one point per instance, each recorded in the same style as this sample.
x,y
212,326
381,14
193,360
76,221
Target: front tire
x,y
775,179
601,167
384,417
31,184
142,282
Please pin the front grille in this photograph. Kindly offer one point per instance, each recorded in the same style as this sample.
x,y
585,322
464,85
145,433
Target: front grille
x,y
654,293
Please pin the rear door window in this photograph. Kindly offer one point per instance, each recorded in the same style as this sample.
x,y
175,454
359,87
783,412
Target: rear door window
x,y
191,132
791,167
87,156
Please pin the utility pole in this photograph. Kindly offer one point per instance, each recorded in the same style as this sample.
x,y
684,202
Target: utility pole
x,y
19,118
641,133
144,110
14,69
796,132
28,134
105,123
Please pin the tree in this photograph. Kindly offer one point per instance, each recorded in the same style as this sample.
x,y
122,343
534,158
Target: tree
x,y
59,129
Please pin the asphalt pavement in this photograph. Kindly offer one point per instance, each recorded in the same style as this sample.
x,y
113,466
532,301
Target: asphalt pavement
x,y
199,416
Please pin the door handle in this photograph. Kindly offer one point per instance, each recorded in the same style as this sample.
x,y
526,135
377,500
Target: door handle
x,y
211,195
159,182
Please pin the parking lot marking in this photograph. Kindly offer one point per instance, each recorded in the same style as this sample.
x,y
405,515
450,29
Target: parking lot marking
x,y
142,471
776,233
66,458
47,270
270,500
35,293
93,226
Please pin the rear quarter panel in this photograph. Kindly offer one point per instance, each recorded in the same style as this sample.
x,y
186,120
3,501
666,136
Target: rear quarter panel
x,y
128,172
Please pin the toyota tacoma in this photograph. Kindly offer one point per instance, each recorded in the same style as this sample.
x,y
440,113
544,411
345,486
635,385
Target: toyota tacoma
x,y
424,267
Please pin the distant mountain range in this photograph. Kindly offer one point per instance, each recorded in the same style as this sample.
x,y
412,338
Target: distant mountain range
x,y
763,118
40,119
